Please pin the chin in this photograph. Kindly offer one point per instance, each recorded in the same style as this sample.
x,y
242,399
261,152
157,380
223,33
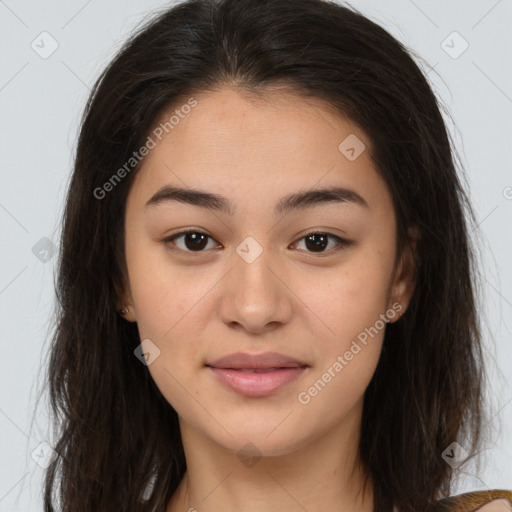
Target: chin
x,y
254,442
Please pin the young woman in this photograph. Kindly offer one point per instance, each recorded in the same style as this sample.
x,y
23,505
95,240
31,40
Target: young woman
x,y
266,289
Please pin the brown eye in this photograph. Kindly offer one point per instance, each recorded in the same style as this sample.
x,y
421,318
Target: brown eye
x,y
195,241
318,242
192,240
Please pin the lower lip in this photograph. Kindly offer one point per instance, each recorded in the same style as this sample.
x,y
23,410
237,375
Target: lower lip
x,y
257,384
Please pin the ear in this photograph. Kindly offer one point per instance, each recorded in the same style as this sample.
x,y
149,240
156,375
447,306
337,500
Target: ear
x,y
125,301
404,279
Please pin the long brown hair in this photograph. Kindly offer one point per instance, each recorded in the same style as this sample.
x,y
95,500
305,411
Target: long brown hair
x,y
116,432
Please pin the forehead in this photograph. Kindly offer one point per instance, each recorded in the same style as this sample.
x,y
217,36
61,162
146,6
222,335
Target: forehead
x,y
264,125
259,145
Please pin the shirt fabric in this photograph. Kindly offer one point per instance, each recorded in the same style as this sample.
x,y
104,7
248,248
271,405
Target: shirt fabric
x,y
496,500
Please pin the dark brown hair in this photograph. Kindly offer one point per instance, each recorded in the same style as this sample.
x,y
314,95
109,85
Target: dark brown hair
x,y
116,432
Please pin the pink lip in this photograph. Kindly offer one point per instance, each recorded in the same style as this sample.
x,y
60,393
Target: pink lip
x,y
256,374
257,384
243,360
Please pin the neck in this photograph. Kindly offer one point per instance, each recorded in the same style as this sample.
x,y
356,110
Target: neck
x,y
324,474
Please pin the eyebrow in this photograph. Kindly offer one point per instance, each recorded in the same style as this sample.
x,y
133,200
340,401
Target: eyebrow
x,y
296,201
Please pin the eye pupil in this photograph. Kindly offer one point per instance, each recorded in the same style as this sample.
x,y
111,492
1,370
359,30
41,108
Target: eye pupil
x,y
196,241
199,241
320,243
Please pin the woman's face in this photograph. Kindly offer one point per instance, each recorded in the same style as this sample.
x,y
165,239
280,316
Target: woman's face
x,y
253,279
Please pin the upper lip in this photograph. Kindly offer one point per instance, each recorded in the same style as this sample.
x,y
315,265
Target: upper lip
x,y
244,361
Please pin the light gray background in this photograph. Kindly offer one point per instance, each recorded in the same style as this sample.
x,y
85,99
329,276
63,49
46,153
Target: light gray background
x,y
41,101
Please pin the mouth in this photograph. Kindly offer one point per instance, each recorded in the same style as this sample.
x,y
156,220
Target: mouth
x,y
256,370
257,382
256,375
268,361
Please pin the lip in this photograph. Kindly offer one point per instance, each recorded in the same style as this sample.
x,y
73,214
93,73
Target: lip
x,y
245,361
255,384
256,375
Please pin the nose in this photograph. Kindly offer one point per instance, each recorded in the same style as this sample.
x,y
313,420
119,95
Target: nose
x,y
256,297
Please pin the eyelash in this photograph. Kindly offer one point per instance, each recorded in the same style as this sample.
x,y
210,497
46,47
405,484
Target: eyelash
x,y
342,243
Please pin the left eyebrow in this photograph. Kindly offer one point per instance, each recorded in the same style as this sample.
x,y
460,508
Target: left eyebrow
x,y
296,201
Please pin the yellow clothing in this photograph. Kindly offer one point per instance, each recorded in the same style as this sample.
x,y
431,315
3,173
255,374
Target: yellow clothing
x,y
478,500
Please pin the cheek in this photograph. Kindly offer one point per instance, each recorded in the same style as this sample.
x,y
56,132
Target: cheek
x,y
172,310
170,314
165,295
339,386
343,303
351,307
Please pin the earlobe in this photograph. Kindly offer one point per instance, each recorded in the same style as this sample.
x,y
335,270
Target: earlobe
x,y
405,274
127,312
125,304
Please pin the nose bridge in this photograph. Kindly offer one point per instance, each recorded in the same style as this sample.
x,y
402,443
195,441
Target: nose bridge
x,y
253,267
255,296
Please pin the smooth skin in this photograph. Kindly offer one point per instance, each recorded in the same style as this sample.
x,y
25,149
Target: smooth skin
x,y
197,306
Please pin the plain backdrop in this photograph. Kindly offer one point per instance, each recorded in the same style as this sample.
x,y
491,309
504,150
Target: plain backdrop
x,y
51,54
